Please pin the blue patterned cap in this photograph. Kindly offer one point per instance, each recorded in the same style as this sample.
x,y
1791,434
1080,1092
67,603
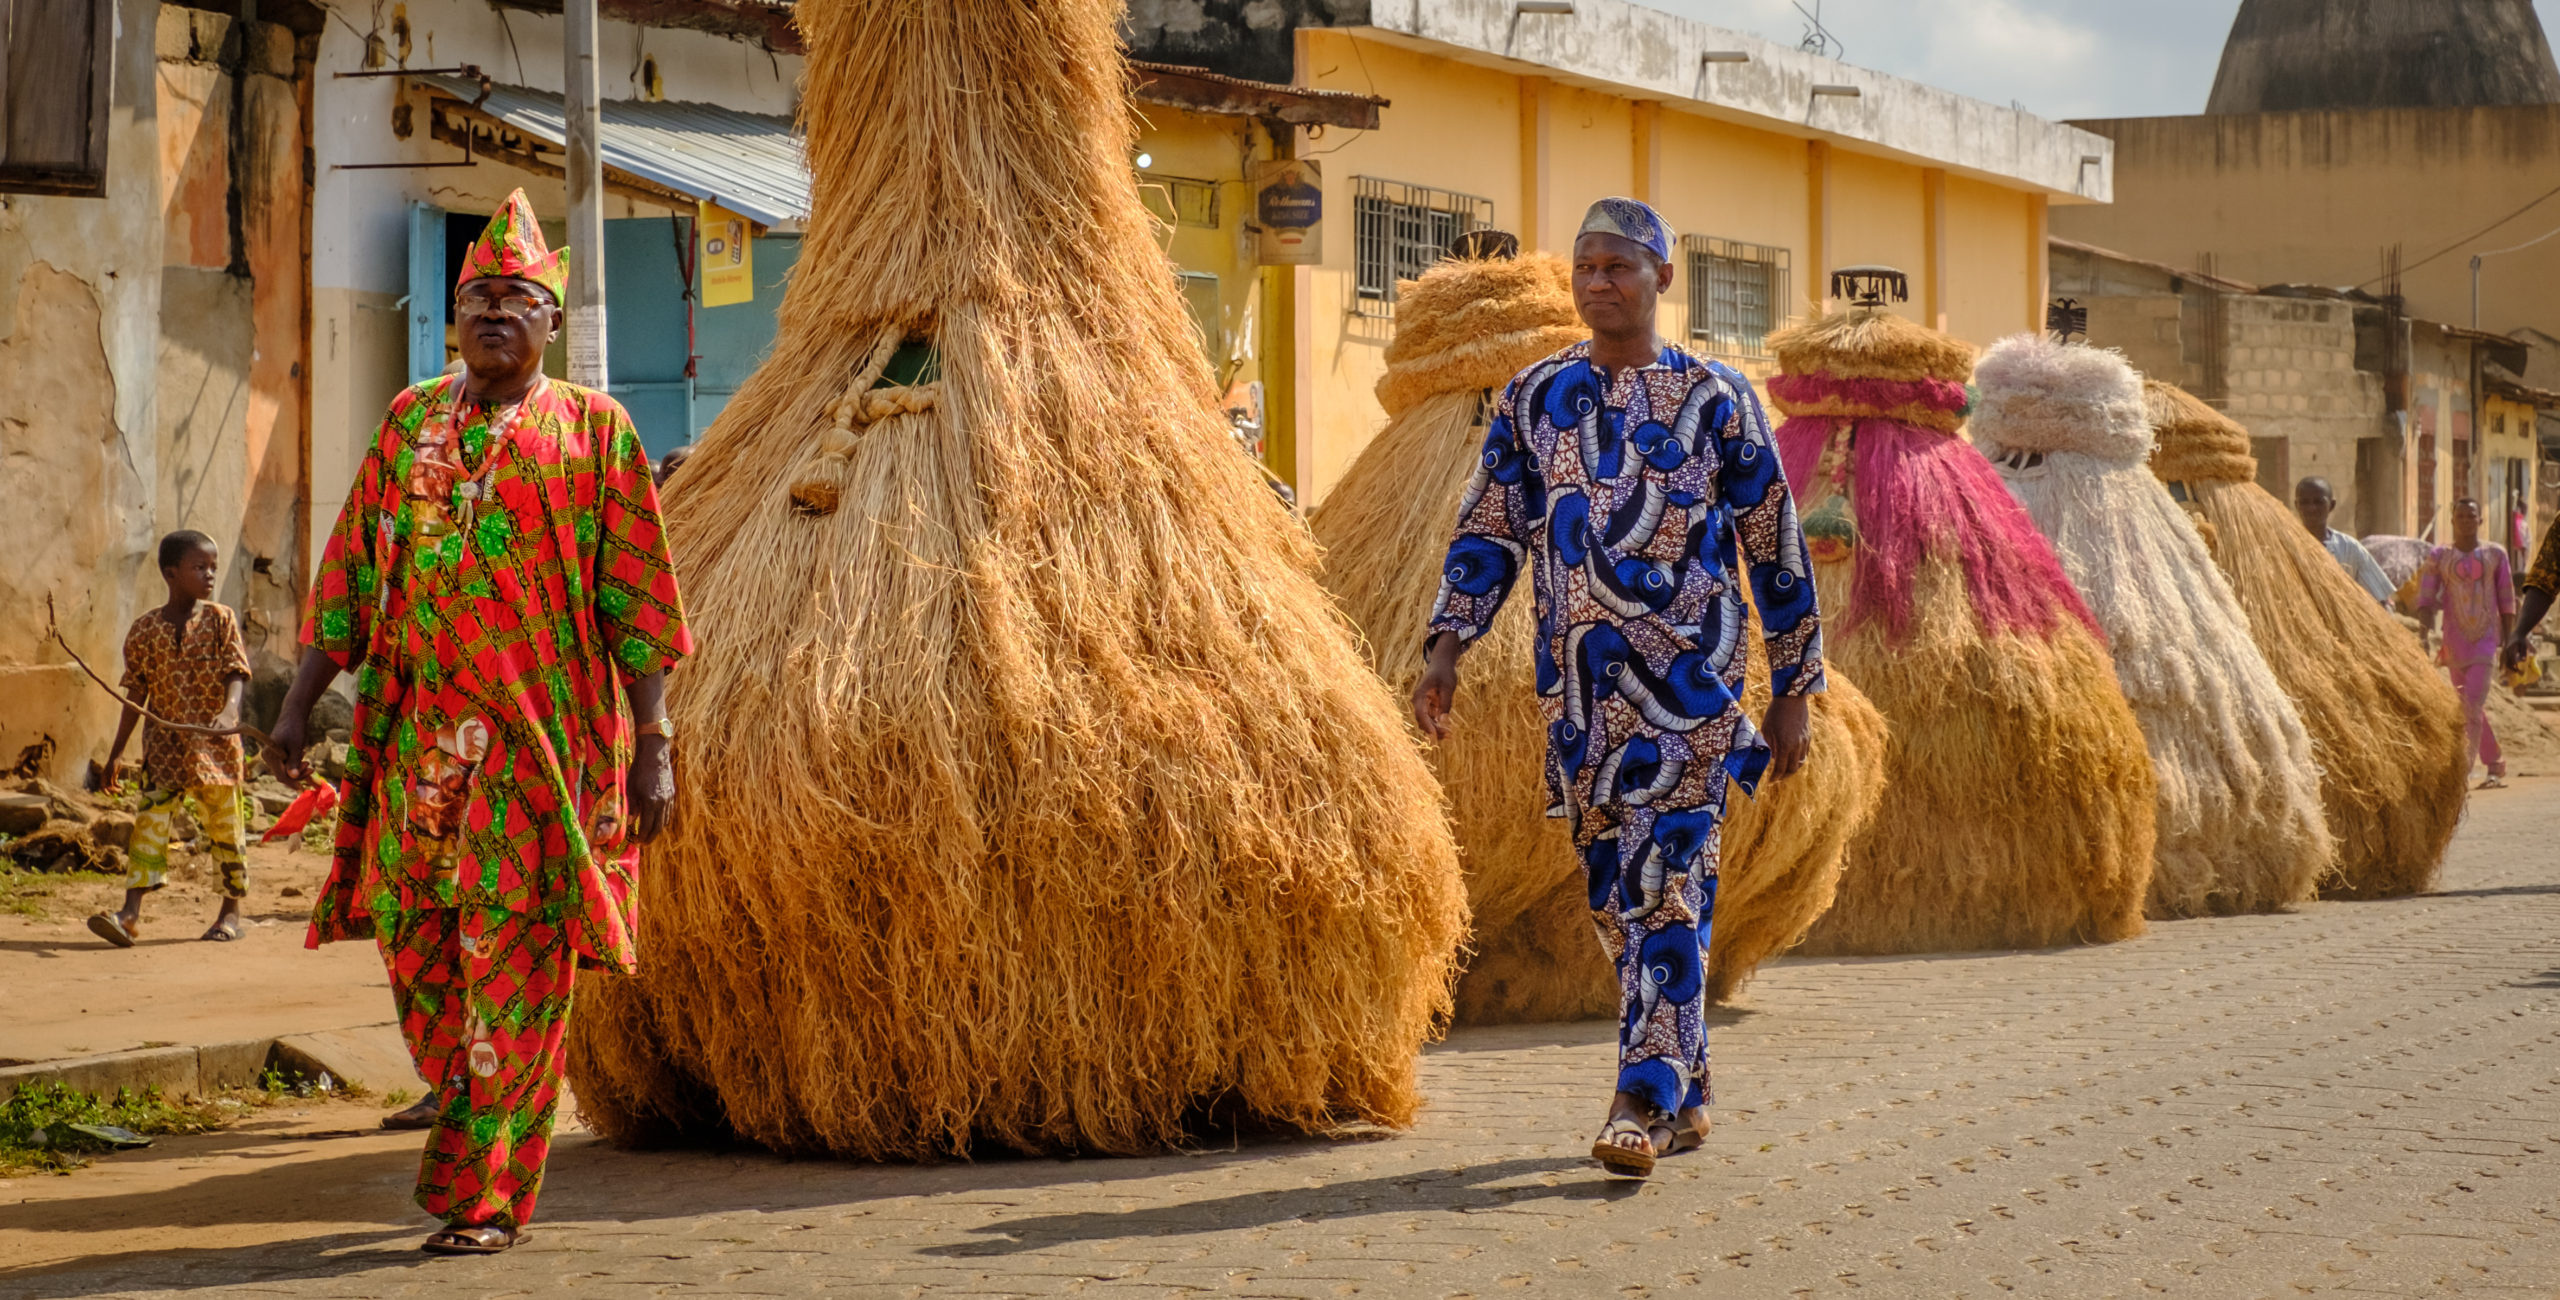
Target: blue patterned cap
x,y
1631,220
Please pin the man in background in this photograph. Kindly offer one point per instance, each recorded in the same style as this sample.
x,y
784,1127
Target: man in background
x,y
2314,501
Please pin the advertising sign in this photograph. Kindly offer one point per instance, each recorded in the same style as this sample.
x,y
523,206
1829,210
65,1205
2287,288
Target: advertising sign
x,y
1288,202
728,257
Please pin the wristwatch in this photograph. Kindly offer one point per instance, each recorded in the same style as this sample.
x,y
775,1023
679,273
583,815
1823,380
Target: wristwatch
x,y
661,727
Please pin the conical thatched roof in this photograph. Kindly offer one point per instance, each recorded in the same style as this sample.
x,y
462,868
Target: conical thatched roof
x,y
2300,55
1034,793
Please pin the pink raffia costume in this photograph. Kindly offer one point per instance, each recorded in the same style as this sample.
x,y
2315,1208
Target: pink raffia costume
x,y
2018,803
494,580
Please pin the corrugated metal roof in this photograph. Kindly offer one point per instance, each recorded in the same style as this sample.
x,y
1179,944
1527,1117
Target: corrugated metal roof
x,y
745,162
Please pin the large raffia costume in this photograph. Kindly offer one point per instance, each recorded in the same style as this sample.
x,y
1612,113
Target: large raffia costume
x,y
2239,818
2385,727
1036,793
1462,331
2018,800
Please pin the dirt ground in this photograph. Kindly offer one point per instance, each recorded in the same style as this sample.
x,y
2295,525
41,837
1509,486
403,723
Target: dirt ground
x,y
71,994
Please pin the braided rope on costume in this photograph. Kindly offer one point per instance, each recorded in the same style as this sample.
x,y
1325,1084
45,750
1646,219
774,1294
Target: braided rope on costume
x,y
861,405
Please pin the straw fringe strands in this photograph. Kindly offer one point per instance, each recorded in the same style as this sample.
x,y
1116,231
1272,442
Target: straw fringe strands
x,y
2386,728
2018,800
1036,794
1464,328
2240,828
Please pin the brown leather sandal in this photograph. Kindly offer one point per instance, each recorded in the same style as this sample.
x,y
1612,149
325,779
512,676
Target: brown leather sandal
x,y
1618,1158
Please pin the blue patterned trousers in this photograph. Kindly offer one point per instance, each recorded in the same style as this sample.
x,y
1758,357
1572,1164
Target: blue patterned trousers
x,y
1652,881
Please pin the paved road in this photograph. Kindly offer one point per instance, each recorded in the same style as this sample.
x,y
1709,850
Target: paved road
x,y
2359,1098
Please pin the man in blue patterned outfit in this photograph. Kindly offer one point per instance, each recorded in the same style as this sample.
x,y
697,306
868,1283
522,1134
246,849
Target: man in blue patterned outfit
x,y
1634,482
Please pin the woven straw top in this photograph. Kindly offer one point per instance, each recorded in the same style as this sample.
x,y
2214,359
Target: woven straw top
x,y
2197,444
2033,394
1475,324
1865,365
1871,345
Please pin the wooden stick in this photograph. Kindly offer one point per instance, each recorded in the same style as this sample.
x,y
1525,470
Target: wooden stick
x,y
54,630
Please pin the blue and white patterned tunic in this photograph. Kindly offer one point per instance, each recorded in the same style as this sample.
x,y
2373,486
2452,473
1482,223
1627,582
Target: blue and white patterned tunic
x,y
1634,499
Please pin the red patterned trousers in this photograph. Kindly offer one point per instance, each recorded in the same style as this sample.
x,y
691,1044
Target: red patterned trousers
x,y
484,1002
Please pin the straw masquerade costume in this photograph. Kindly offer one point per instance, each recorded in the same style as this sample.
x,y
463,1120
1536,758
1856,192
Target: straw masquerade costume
x,y
2239,818
2386,729
1068,807
494,580
1462,332
2018,801
1638,500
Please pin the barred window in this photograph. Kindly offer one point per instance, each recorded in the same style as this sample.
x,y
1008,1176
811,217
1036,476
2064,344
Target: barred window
x,y
1399,231
1737,295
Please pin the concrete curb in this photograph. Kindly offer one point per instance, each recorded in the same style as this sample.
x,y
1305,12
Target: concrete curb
x,y
372,1055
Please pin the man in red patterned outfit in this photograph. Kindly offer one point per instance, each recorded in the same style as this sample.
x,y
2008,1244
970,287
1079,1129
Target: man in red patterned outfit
x,y
500,585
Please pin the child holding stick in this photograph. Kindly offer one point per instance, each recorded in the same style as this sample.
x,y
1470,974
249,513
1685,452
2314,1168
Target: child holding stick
x,y
184,662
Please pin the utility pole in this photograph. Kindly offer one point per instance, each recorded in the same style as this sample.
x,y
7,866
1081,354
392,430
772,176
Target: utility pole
x,y
586,198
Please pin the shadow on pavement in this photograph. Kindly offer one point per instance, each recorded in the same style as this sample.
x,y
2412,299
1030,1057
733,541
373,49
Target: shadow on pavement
x,y
1441,1191
2498,891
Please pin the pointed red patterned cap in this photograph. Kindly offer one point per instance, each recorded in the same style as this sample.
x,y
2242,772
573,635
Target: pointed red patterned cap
x,y
511,244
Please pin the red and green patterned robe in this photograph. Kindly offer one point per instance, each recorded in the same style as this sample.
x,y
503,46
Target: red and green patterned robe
x,y
493,589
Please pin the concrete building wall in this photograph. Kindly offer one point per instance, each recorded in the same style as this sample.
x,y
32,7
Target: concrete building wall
x,y
231,365
2314,198
1993,255
79,345
2293,381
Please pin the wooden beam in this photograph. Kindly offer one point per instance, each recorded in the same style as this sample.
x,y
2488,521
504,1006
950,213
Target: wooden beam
x,y
1208,92
758,21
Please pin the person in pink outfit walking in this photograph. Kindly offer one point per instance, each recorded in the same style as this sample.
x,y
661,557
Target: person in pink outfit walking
x,y
2471,584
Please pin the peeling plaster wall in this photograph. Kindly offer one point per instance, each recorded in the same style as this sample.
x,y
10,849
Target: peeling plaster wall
x,y
80,304
230,426
153,353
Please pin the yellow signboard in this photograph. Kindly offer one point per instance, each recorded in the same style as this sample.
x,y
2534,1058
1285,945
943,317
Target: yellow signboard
x,y
728,257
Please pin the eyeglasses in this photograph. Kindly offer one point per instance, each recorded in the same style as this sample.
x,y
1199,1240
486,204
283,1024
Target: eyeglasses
x,y
478,303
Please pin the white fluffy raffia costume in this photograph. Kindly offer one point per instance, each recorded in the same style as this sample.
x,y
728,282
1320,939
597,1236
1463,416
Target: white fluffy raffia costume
x,y
2240,825
2385,726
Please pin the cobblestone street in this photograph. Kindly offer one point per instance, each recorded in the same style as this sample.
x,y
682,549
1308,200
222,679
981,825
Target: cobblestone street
x,y
2358,1098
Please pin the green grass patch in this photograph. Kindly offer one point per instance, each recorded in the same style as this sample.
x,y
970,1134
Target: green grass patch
x,y
37,1133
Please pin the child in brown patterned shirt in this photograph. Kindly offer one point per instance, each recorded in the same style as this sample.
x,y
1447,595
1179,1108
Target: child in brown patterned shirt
x,y
184,661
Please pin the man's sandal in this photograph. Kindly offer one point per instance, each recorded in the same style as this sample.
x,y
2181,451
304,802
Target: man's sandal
x,y
1617,1157
1677,1138
416,1115
112,928
473,1239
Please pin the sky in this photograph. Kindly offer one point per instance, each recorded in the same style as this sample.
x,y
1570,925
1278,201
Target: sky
x,y
2058,58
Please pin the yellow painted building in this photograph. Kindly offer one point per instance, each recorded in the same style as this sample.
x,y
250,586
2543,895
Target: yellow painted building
x,y
1776,166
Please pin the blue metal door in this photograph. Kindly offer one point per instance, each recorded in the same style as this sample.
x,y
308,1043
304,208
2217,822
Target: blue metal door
x,y
734,339
426,303
645,343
